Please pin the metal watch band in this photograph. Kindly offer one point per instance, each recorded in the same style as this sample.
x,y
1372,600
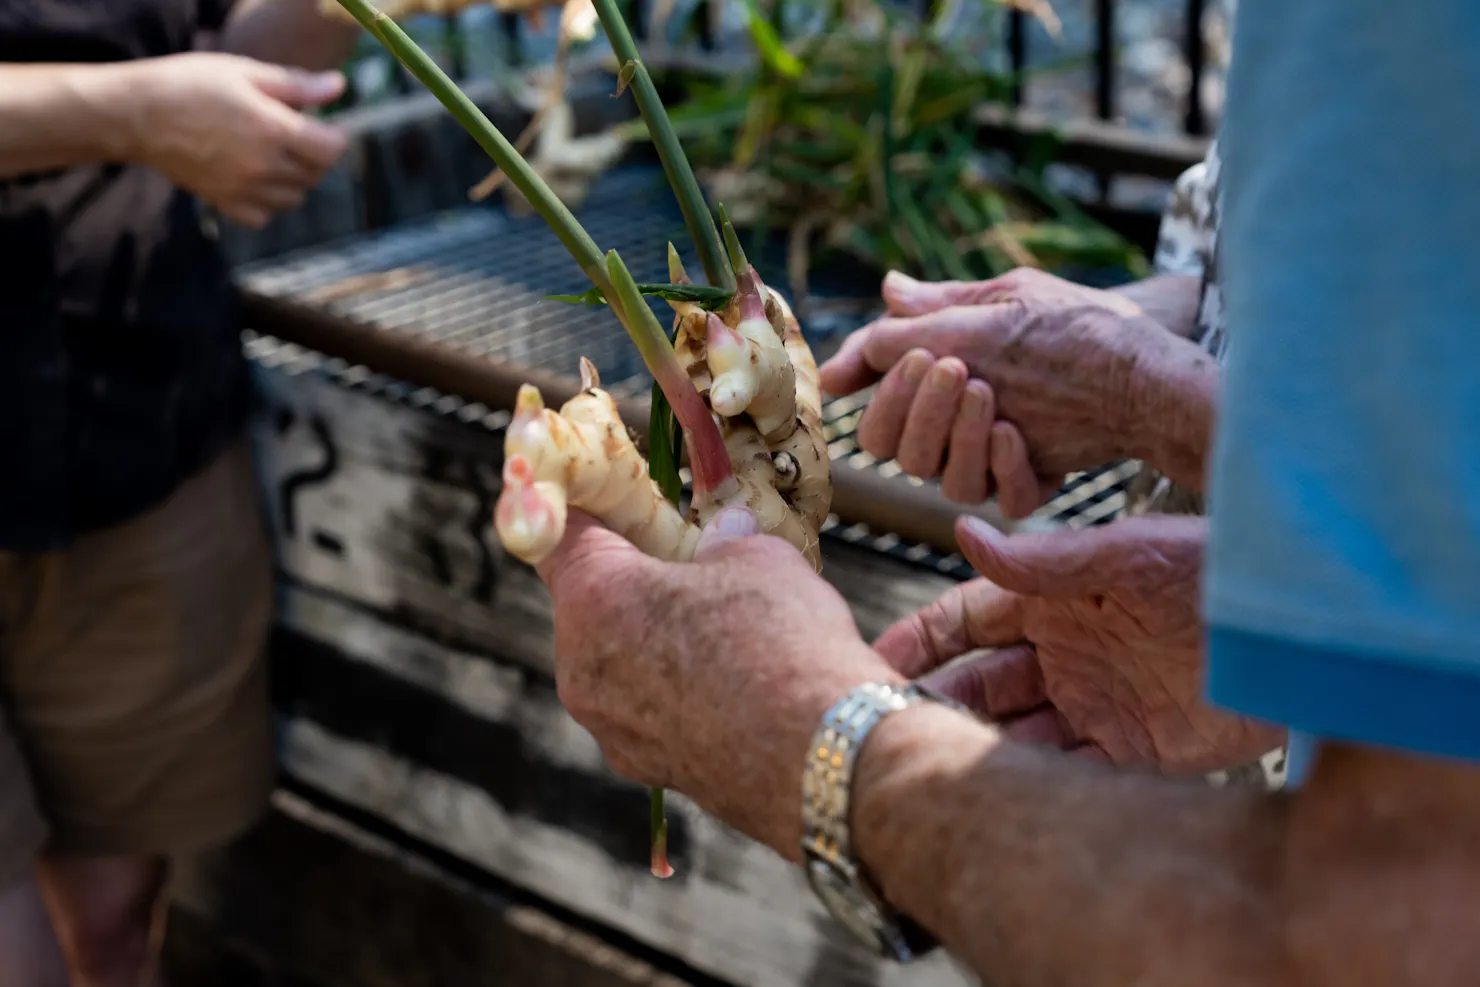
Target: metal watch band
x,y
826,804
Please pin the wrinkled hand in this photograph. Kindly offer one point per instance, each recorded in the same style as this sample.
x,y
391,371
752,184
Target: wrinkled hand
x,y
905,297
230,130
1057,365
1097,641
708,677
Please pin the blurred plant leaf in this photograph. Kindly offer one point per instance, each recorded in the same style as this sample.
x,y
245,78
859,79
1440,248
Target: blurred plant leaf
x,y
709,298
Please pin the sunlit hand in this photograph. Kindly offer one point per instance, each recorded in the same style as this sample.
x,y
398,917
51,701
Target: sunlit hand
x,y
1096,644
707,677
232,131
1082,379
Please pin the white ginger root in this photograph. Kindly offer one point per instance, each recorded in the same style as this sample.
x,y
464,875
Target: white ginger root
x,y
584,458
755,470
762,386
803,466
769,367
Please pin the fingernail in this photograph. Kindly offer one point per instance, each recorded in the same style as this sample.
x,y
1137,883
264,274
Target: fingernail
x,y
734,522
902,284
978,529
946,375
321,85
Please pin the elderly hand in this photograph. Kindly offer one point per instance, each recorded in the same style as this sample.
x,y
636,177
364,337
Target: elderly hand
x,y
230,129
1098,644
709,677
1081,376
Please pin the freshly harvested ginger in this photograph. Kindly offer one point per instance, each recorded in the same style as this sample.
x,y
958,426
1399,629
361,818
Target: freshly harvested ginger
x,y
758,379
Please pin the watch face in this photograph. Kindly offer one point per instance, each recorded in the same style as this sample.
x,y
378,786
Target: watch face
x,y
856,913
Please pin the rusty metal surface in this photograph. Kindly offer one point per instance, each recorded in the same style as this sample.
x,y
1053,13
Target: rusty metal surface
x,y
451,306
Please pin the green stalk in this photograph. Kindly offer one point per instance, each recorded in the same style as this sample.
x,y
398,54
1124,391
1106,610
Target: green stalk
x,y
708,459
711,464
482,130
696,215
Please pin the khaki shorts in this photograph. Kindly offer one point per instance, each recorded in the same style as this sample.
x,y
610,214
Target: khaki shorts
x,y
134,714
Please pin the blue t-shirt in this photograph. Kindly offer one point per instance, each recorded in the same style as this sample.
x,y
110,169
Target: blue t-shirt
x,y
1343,590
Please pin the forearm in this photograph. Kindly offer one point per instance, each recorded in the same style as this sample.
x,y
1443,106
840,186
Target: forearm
x,y
1036,869
1170,299
59,116
289,32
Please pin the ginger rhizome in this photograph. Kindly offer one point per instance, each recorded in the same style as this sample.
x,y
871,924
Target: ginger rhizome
x,y
759,382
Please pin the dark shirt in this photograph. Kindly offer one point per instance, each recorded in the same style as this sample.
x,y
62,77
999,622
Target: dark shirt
x,y
121,368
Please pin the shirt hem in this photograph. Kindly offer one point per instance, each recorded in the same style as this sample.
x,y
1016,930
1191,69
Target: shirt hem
x,y
1385,700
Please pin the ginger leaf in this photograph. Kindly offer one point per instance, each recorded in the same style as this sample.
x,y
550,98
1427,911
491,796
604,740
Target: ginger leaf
x,y
708,298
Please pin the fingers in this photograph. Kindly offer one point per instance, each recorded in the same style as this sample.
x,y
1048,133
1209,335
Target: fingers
x,y
997,684
295,87
1020,489
260,203
931,417
591,554
964,480
243,214
846,372
883,422
1043,726
312,144
967,617
972,333
728,525
1091,751
1063,563
904,296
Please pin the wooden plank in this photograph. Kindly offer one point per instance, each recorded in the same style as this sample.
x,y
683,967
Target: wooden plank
x,y
392,507
309,899
414,670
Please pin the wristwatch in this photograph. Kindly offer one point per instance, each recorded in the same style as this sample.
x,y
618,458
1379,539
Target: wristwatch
x,y
835,874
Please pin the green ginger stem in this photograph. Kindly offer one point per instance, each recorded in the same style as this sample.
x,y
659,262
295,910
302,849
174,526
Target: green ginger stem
x,y
710,462
696,214
510,161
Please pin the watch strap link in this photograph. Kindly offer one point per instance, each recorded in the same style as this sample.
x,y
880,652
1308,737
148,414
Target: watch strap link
x,y
826,804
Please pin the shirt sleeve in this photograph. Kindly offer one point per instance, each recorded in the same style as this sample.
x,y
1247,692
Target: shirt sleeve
x,y
1343,588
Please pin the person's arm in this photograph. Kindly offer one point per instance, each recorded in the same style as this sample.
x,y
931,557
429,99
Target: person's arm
x,y
1169,299
58,116
1038,869
288,32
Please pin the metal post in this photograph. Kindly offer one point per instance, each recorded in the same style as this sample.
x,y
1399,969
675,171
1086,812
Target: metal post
x,y
1017,51
1197,123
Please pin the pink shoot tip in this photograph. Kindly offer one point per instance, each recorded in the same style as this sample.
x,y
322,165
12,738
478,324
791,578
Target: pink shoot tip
x,y
661,868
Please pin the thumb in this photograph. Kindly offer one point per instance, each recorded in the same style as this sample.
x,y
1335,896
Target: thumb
x,y
728,525
295,87
846,371
1062,563
905,296
591,555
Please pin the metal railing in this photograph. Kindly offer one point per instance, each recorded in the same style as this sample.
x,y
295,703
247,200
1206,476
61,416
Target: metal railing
x,y
454,33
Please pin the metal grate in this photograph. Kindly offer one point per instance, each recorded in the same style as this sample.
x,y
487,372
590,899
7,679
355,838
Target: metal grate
x,y
475,278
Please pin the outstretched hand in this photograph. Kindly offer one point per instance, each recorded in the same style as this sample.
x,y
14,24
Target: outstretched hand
x,y
232,130
706,677
1096,644
1069,378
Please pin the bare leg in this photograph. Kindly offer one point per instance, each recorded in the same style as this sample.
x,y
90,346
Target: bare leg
x,y
29,954
109,916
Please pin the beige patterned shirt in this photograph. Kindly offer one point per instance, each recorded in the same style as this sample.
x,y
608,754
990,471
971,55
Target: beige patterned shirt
x,y
1188,244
